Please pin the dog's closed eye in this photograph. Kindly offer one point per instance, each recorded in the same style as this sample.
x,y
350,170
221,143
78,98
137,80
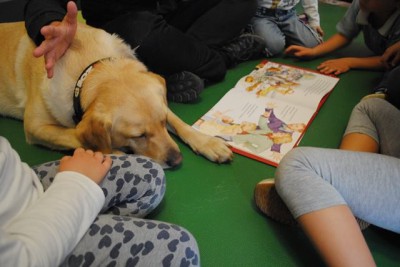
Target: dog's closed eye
x,y
140,136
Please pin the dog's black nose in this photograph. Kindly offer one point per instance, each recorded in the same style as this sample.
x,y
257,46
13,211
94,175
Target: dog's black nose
x,y
174,158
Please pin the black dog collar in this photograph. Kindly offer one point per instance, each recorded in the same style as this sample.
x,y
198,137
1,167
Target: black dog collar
x,y
78,111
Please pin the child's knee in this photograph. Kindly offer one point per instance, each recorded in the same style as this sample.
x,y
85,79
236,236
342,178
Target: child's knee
x,y
370,105
187,248
294,160
274,46
180,247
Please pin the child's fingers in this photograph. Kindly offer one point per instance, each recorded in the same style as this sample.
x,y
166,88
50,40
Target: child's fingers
x,y
291,49
98,156
325,69
79,150
89,152
65,158
107,162
392,62
72,12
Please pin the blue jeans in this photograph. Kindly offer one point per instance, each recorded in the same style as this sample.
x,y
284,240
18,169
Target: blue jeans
x,y
310,179
281,28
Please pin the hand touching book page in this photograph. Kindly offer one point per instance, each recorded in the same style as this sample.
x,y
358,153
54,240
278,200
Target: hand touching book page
x,y
267,112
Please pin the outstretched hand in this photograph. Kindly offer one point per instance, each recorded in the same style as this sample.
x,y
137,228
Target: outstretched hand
x,y
391,57
91,164
335,66
58,37
319,30
300,52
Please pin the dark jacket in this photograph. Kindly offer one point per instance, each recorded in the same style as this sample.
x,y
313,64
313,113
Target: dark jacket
x,y
39,13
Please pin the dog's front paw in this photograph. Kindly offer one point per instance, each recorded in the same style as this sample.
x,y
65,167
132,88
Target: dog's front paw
x,y
214,149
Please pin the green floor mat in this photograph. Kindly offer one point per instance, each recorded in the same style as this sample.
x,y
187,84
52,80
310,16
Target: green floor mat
x,y
215,202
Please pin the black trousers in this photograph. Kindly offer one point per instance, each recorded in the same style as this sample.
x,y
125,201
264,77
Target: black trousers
x,y
186,38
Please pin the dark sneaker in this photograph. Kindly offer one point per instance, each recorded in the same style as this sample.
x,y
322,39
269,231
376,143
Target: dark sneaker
x,y
183,87
245,47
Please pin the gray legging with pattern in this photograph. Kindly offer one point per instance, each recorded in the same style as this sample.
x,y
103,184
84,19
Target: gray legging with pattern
x,y
120,236
310,179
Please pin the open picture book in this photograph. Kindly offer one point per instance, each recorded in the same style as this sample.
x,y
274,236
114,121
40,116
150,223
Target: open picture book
x,y
268,111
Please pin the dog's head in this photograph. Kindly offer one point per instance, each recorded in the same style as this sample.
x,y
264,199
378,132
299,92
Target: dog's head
x,y
126,109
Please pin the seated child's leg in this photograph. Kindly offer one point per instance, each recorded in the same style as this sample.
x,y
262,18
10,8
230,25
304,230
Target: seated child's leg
x,y
126,241
312,179
46,172
135,185
299,33
268,29
379,120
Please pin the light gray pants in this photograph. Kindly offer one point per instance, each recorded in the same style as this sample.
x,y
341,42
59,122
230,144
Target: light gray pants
x,y
310,179
120,236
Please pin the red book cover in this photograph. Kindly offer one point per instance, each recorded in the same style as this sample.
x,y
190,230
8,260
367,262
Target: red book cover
x,y
268,111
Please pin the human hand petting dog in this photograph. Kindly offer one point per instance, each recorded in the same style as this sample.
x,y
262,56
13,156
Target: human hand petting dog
x,y
58,37
94,165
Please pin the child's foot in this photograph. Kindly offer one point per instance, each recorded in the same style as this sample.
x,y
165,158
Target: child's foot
x,y
271,204
379,93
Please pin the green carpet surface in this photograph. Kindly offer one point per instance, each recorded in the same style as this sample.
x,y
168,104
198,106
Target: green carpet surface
x,y
215,201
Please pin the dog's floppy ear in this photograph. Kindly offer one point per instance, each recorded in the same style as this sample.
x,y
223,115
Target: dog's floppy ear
x,y
95,133
161,80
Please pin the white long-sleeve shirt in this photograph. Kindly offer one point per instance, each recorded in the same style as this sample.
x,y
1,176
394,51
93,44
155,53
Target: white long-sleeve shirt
x,y
41,228
310,8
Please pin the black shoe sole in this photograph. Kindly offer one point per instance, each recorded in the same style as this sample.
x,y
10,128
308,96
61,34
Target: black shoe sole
x,y
184,87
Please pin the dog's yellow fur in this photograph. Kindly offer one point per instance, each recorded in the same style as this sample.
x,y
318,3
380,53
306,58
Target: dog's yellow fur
x,y
124,104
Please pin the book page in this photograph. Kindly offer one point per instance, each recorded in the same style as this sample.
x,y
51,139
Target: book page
x,y
264,123
290,84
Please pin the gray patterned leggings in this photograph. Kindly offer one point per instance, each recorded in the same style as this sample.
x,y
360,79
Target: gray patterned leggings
x,y
119,236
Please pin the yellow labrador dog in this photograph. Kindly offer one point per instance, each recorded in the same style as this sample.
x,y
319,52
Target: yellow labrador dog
x,y
100,97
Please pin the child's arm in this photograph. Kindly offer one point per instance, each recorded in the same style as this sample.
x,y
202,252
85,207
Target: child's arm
x,y
310,8
341,65
46,231
335,42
